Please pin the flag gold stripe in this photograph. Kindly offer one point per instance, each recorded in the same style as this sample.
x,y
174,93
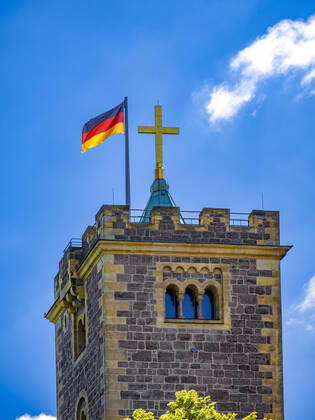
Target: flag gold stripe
x,y
99,138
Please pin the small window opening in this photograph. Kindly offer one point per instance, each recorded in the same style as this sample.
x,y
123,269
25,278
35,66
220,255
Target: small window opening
x,y
171,303
81,336
208,310
190,304
81,410
65,322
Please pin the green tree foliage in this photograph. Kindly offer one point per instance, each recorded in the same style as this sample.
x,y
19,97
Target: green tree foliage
x,y
189,406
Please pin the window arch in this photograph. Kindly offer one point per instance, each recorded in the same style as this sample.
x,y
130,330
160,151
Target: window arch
x,y
81,410
81,336
171,303
190,303
208,305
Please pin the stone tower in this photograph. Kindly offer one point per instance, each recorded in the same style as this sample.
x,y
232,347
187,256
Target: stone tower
x,y
146,307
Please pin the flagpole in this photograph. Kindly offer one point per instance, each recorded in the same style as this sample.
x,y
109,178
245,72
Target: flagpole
x,y
127,165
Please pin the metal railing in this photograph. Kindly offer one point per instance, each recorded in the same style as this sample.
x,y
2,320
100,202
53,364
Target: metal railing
x,y
73,243
135,215
191,217
239,219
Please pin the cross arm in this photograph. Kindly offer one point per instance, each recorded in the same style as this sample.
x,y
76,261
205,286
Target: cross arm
x,y
146,130
170,130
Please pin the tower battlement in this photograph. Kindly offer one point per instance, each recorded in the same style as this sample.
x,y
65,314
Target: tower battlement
x,y
170,224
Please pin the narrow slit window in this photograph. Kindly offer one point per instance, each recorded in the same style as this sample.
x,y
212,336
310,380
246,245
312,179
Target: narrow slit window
x,y
81,336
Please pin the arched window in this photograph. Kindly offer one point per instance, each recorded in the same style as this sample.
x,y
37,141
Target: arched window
x,y
81,410
81,336
190,303
171,303
207,306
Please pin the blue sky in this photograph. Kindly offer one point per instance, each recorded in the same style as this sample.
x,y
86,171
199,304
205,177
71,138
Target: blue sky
x,y
65,62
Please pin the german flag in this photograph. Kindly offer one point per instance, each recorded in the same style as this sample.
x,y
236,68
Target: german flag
x,y
98,129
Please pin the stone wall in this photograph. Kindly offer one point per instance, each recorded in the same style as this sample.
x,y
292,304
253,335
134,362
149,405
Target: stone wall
x,y
238,366
86,374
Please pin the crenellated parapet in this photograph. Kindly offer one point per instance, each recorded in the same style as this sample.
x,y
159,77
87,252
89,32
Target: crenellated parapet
x,y
168,224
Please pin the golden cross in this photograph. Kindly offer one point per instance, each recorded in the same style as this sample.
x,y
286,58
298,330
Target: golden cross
x,y
158,130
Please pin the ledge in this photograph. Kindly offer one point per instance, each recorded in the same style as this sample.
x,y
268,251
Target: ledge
x,y
108,246
55,311
192,321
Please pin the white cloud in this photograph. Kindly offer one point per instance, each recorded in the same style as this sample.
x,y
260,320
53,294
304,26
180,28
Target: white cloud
x,y
225,103
303,314
287,47
39,417
308,78
308,301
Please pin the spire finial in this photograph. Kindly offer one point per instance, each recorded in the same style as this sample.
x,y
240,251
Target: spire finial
x,y
158,130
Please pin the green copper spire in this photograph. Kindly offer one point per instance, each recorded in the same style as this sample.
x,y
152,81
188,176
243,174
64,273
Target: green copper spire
x,y
160,197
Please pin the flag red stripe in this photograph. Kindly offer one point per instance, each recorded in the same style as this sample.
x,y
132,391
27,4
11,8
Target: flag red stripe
x,y
103,126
